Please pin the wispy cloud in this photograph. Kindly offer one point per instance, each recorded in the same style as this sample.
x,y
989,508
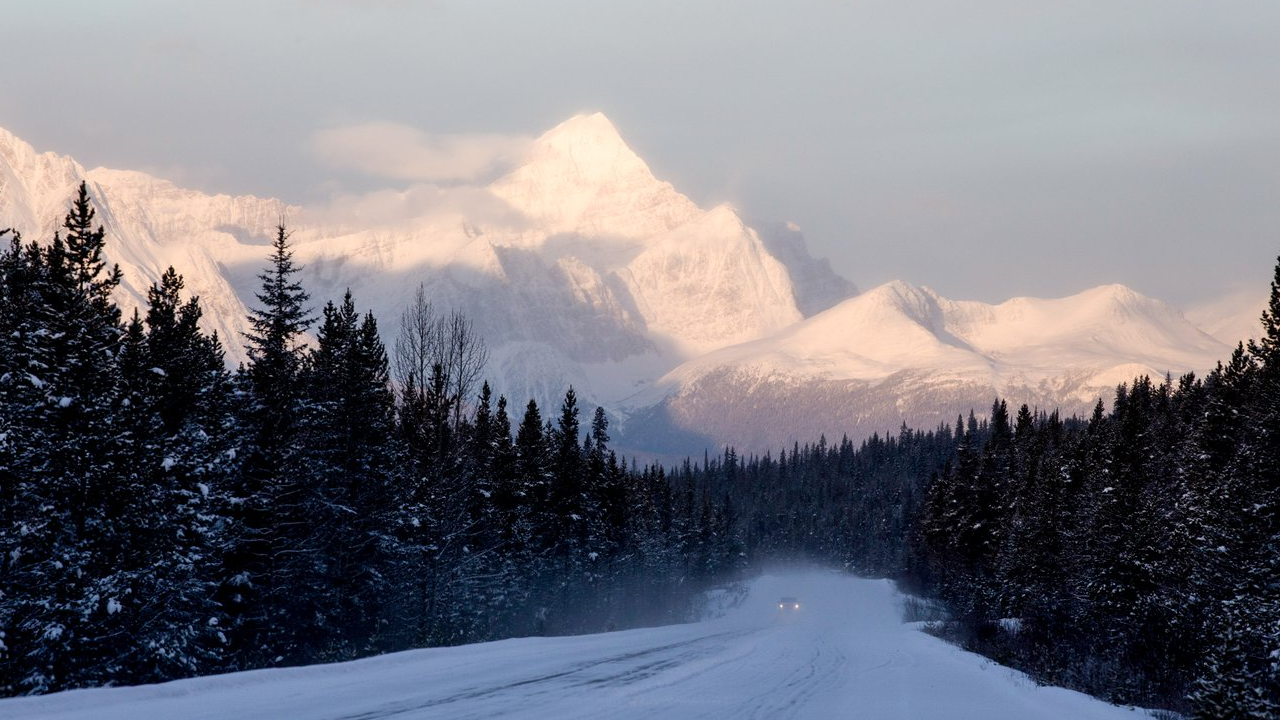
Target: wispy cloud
x,y
420,200
399,152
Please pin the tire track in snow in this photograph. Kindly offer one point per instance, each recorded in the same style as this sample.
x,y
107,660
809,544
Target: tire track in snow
x,y
548,683
786,700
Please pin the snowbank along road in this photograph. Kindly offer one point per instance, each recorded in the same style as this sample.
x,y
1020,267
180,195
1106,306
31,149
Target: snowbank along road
x,y
844,653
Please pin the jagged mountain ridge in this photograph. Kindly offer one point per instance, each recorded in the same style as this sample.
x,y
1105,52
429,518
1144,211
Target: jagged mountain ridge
x,y
592,272
899,326
580,178
595,273
900,352
152,224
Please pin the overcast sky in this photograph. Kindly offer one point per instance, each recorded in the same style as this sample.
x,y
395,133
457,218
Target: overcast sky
x,y
986,149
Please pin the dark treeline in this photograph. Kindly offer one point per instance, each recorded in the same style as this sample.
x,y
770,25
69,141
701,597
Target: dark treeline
x,y
1134,554
1138,553
161,517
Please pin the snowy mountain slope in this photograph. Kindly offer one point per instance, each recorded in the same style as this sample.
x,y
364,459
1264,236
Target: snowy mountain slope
x,y
844,653
151,225
903,353
816,286
583,267
697,280
1233,318
1022,341
34,187
711,283
581,178
580,267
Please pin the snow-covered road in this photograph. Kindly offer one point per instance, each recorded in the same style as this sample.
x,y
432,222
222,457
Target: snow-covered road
x,y
844,654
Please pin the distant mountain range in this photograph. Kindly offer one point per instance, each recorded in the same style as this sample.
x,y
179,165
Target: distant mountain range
x,y
902,352
693,327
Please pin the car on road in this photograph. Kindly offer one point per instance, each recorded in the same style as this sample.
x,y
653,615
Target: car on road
x,y
789,604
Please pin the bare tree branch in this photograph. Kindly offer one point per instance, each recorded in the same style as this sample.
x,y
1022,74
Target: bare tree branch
x,y
428,338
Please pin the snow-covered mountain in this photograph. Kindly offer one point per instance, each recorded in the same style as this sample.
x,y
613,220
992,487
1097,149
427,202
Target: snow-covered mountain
x,y
903,353
1234,318
580,267
151,225
590,271
580,178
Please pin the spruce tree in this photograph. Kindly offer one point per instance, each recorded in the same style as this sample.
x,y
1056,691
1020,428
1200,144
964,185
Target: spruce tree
x,y
72,518
263,568
568,521
347,433
196,437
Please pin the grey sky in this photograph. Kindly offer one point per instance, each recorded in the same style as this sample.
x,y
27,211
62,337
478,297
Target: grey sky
x,y
986,149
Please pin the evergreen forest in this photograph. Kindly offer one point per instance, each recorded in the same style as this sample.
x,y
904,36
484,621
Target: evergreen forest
x,y
162,516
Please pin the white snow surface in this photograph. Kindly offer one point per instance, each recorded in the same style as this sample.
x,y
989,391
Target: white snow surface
x,y
845,653
1102,337
580,177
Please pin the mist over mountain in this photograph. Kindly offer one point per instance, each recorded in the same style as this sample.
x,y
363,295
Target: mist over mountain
x,y
691,326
